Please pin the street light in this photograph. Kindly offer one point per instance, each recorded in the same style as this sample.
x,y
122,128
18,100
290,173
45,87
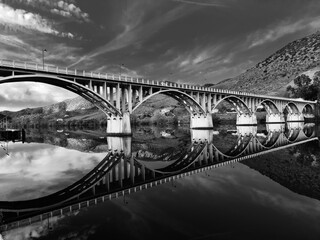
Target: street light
x,y
43,50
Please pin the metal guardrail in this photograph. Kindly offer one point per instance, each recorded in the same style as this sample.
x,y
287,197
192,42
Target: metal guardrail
x,y
108,76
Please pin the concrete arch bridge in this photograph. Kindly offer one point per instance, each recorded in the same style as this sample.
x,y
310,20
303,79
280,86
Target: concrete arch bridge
x,y
119,96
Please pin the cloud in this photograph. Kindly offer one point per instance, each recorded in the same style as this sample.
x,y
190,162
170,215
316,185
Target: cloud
x,y
275,32
66,9
19,18
69,10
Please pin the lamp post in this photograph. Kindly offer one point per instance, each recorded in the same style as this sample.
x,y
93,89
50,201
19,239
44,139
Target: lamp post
x,y
43,50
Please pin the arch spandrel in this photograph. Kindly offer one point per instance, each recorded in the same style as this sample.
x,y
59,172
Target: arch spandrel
x,y
74,87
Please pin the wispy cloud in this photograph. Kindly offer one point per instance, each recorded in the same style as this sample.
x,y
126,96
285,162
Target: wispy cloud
x,y
275,32
136,30
205,3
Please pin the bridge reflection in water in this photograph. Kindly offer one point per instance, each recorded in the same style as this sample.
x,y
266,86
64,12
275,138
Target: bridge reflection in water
x,y
127,169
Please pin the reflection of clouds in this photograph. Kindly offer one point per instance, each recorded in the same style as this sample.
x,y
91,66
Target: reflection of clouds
x,y
267,198
35,170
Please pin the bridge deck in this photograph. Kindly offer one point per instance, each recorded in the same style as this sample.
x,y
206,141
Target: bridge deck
x,y
66,72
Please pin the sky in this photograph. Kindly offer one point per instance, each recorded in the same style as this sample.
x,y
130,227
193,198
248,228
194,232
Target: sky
x,y
185,41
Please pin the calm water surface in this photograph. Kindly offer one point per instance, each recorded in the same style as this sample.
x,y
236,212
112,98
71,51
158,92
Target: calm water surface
x,y
164,183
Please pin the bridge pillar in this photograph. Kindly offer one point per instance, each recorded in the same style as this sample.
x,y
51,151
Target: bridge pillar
x,y
295,117
209,107
199,121
246,119
118,126
274,118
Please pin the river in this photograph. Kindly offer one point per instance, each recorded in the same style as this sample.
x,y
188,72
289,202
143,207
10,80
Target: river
x,y
162,183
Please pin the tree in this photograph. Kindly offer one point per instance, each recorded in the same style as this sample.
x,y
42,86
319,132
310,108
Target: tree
x,y
306,88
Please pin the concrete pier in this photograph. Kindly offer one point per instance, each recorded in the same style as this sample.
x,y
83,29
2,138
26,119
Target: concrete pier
x,y
200,121
119,125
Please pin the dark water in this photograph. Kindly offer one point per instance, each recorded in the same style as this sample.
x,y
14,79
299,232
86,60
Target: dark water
x,y
163,183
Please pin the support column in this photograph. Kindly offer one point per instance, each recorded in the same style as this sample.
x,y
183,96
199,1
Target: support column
x,y
112,96
130,98
209,109
118,95
123,100
105,94
203,102
198,97
215,100
140,94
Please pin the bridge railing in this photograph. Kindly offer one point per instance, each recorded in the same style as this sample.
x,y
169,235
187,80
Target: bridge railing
x,y
108,76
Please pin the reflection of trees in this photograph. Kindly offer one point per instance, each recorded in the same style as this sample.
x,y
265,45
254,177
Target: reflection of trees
x,y
307,154
296,168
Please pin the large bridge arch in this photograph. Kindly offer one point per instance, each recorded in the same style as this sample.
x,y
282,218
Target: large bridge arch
x,y
238,103
192,106
74,87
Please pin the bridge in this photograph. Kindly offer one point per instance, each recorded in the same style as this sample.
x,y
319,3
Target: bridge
x,y
123,172
119,96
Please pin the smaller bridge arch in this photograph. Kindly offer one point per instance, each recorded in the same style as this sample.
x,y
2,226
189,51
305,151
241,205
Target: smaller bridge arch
x,y
291,113
192,106
239,105
308,111
291,108
269,105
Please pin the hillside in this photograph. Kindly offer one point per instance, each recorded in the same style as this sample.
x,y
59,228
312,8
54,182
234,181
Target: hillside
x,y
76,111
273,75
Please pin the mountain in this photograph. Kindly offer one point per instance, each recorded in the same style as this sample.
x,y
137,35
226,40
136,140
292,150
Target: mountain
x,y
274,74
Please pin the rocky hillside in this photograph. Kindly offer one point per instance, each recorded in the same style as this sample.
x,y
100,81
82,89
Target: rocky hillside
x,y
275,73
